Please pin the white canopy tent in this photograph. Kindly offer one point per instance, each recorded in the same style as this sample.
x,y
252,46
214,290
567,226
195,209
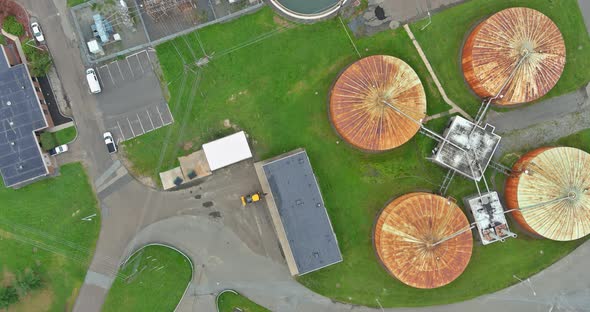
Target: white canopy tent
x,y
226,151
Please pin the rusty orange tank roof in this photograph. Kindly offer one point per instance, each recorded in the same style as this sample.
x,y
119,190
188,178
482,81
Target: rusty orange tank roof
x,y
496,46
406,231
552,188
358,112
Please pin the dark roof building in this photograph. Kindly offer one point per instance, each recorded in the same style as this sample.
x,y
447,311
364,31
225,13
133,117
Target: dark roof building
x,y
21,114
298,212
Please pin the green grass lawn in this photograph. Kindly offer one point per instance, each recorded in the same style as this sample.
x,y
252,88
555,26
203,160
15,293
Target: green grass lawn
x,y
72,3
228,302
50,140
41,228
442,43
276,89
154,279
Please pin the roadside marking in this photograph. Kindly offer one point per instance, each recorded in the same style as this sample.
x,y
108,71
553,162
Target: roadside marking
x,y
136,53
99,76
160,115
139,62
120,72
121,130
98,279
148,112
119,173
131,70
133,132
109,70
107,173
142,129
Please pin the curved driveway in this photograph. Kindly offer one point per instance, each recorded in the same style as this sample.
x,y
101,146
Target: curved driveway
x,y
230,248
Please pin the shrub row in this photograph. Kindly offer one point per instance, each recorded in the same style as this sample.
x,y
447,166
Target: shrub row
x,y
26,281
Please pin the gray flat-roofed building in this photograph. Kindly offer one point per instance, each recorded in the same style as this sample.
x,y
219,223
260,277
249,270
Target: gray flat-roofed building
x,y
298,212
21,158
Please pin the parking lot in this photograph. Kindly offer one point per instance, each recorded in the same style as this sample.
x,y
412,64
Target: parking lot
x,y
131,100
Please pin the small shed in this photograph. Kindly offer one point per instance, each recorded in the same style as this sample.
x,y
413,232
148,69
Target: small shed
x,y
171,178
226,151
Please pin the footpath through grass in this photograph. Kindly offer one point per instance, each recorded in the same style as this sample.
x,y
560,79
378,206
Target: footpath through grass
x,y
41,229
442,43
272,79
154,279
229,302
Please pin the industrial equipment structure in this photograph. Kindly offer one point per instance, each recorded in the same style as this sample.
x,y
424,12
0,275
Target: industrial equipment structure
x,y
357,106
515,56
489,217
423,240
548,193
157,9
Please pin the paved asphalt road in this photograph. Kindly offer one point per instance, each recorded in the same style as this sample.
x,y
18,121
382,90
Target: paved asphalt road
x,y
236,249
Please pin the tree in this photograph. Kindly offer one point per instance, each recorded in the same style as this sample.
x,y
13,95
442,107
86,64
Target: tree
x,y
39,60
28,280
12,26
8,296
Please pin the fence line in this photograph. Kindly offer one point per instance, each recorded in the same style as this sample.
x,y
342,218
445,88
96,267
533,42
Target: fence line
x,y
151,43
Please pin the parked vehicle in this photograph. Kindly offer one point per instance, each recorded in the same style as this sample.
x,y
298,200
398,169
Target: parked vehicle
x,y
37,32
93,83
58,150
110,142
251,198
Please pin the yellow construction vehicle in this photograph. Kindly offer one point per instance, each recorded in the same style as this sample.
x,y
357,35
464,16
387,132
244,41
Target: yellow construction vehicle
x,y
251,198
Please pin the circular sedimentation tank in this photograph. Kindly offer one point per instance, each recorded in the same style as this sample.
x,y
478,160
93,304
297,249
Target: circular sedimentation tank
x,y
515,56
550,187
308,10
358,109
405,239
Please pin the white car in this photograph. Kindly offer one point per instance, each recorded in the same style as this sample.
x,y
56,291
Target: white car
x,y
110,142
37,32
58,150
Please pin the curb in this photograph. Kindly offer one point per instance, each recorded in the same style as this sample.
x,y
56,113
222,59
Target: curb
x,y
221,293
175,249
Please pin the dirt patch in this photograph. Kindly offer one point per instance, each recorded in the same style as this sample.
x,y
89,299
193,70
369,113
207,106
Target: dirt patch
x,y
8,278
298,87
233,97
187,146
281,22
36,301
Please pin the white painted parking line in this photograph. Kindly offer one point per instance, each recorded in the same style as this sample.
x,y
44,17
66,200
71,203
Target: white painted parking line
x,y
131,70
121,130
120,72
150,117
109,70
139,62
142,129
136,53
98,73
130,127
160,115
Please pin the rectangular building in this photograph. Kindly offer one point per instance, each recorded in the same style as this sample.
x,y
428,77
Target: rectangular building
x,y
297,209
21,115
